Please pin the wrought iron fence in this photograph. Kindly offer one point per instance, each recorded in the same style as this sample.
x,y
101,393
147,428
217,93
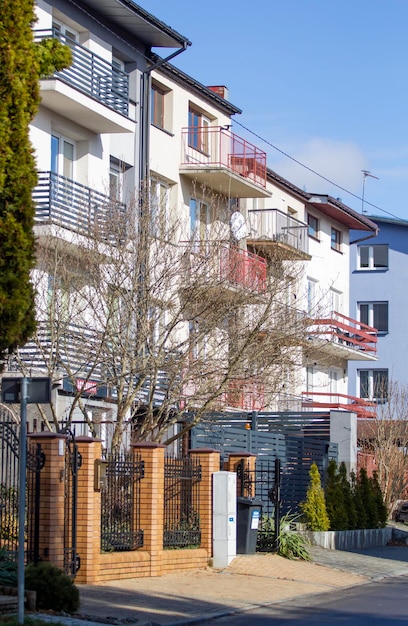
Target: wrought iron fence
x,y
181,502
120,502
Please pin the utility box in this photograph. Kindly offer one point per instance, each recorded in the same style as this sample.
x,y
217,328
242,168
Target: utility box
x,y
224,518
248,518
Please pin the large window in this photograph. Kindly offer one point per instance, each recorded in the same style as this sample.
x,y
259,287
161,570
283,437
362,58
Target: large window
x,y
373,257
335,240
374,314
157,109
159,208
311,295
313,226
62,156
199,223
198,126
374,384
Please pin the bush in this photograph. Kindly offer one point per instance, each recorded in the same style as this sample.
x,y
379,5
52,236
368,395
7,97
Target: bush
x,y
291,544
314,507
55,589
8,569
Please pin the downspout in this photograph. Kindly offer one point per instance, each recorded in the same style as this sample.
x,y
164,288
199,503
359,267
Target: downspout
x,y
145,88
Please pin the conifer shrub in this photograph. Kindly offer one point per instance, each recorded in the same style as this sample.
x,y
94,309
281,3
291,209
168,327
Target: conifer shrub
x,y
55,589
335,496
314,507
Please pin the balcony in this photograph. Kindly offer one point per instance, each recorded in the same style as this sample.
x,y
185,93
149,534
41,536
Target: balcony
x,y
246,395
323,400
217,158
218,266
90,92
344,337
62,345
74,207
278,234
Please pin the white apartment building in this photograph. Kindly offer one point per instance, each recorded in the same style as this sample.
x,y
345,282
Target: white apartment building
x,y
120,115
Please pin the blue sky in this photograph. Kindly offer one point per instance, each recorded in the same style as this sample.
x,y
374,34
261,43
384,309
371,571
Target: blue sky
x,y
324,81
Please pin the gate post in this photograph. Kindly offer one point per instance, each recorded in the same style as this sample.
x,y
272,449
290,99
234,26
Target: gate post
x,y
51,531
210,463
152,501
234,463
88,542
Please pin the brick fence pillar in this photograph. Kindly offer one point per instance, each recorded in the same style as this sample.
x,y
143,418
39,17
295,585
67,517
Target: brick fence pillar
x,y
152,501
248,461
89,511
210,463
51,535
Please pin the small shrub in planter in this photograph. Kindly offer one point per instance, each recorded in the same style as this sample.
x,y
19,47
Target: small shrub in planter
x,y
291,544
55,589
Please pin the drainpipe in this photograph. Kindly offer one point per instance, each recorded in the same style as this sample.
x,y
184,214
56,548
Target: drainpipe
x,y
145,88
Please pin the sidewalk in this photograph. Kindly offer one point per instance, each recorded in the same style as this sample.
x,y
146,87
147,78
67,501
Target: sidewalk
x,y
253,580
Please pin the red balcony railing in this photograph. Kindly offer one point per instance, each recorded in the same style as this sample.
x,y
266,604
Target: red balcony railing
x,y
248,395
216,264
216,146
327,400
340,329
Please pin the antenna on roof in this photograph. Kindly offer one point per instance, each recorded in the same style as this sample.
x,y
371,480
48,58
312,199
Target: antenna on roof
x,y
365,174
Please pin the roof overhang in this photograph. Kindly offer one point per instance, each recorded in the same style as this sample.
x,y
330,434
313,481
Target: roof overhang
x,y
341,213
131,18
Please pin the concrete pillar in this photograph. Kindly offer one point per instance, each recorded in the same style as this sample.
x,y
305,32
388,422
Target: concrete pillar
x,y
343,431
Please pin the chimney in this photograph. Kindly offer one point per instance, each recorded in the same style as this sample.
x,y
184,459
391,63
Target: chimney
x,y
220,90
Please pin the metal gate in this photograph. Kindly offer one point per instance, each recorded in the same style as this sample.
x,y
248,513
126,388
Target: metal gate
x,y
73,462
9,489
262,484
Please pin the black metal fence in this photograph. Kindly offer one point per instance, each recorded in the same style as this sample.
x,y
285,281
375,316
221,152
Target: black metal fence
x,y
181,502
120,502
9,490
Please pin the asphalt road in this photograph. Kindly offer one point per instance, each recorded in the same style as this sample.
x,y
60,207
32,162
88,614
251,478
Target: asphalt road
x,y
383,603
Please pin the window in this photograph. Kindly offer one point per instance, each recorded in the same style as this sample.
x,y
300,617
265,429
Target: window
x,y
313,226
373,257
199,222
65,33
62,156
335,300
335,240
198,131
159,207
157,106
374,314
374,384
311,294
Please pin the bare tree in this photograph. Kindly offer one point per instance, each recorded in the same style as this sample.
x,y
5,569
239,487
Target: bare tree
x,y
167,323
384,439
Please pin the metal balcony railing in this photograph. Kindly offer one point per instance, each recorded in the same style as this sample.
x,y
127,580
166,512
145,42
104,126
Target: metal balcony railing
x,y
61,343
218,264
91,74
215,146
246,394
275,226
69,204
333,400
340,329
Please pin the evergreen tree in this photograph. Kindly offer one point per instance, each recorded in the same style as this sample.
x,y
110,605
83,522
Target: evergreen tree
x,y
368,498
361,515
348,501
334,494
382,512
21,64
314,507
